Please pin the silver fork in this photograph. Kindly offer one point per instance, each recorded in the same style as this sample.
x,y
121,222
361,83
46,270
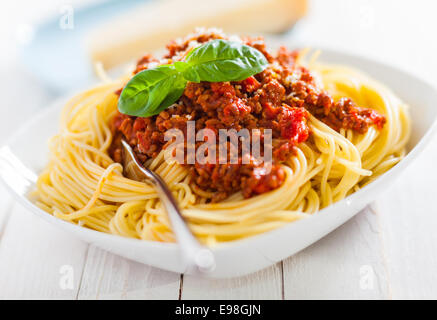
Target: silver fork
x,y
194,255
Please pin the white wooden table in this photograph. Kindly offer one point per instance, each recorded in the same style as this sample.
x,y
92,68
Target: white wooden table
x,y
389,250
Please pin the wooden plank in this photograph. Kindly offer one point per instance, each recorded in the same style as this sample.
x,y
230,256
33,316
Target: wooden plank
x,y
408,216
108,276
264,284
346,264
37,260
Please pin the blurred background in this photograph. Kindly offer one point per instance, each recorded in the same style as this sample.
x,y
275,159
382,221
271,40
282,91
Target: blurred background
x,y
48,47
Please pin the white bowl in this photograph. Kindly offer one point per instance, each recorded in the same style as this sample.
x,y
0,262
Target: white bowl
x,y
236,258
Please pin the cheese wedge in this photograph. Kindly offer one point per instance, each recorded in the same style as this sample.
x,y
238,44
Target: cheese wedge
x,y
149,27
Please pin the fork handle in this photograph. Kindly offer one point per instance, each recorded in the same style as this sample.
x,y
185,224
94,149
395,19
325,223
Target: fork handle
x,y
195,255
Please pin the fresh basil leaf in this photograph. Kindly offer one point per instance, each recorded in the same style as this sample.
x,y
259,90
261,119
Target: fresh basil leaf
x,y
151,91
181,66
178,89
221,60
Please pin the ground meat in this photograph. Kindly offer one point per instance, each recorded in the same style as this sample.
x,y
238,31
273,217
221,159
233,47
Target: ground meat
x,y
144,62
280,98
337,114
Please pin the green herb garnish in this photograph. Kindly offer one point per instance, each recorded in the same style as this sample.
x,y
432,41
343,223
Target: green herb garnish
x,y
153,90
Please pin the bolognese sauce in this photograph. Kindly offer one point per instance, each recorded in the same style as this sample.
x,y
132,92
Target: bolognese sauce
x,y
280,98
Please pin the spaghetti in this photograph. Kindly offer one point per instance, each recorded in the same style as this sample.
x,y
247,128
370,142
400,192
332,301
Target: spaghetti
x,y
82,183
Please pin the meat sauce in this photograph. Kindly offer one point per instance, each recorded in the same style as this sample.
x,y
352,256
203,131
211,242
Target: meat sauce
x,y
280,98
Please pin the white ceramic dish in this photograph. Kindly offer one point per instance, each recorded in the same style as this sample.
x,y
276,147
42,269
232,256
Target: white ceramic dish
x,y
26,154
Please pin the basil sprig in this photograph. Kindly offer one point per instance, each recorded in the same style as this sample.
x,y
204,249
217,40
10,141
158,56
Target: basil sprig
x,y
153,90
220,60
